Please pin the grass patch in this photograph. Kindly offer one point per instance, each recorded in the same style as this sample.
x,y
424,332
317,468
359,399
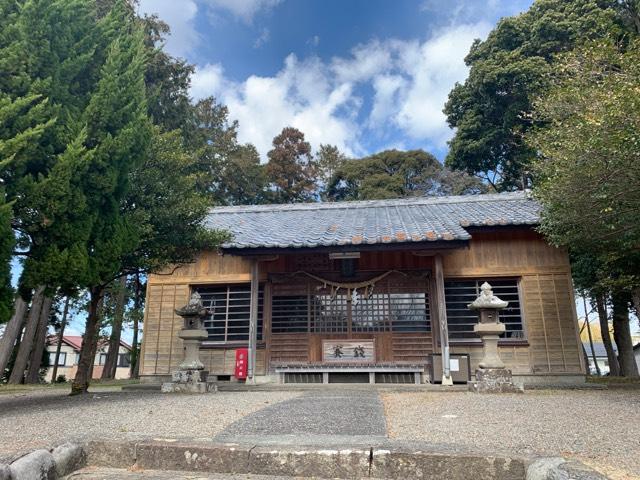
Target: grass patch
x,y
613,380
8,389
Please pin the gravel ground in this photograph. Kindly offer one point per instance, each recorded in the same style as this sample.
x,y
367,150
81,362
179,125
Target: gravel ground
x,y
599,428
45,419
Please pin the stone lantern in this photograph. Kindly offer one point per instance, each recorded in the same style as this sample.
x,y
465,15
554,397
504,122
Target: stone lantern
x,y
191,376
492,376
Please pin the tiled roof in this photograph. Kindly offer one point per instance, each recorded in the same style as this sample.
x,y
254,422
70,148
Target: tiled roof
x,y
75,341
419,219
598,348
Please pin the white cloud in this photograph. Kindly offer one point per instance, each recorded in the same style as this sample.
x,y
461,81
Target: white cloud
x,y
410,81
245,10
301,95
434,67
207,80
366,61
264,37
180,16
386,89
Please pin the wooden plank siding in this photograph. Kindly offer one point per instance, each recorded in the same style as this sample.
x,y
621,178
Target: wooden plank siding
x,y
551,344
546,297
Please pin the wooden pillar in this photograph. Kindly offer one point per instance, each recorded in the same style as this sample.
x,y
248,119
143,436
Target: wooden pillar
x,y
253,320
442,320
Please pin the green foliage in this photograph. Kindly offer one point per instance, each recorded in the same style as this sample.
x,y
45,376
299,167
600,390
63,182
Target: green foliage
x,y
291,169
6,251
394,174
56,41
588,173
329,160
228,173
241,179
507,70
166,208
118,133
167,79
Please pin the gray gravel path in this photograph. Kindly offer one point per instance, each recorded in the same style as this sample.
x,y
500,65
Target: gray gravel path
x,y
349,416
45,419
599,428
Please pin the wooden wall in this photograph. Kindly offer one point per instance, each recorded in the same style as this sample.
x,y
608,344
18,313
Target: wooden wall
x,y
552,344
546,294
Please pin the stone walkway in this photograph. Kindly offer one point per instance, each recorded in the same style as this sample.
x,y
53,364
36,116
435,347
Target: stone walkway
x,y
348,417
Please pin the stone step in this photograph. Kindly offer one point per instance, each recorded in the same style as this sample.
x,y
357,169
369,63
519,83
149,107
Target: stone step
x,y
93,473
342,462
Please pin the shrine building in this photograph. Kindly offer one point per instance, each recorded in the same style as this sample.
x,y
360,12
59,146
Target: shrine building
x,y
371,291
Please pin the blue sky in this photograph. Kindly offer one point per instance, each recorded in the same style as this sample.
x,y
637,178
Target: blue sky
x,y
364,75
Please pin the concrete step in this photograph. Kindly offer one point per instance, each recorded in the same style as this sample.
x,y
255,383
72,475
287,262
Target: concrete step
x,y
297,387
327,461
94,473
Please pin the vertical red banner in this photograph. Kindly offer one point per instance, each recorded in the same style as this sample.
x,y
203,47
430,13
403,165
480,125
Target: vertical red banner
x,y
242,358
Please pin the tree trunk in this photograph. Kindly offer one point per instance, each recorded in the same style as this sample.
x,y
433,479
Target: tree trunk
x,y
12,332
586,358
603,317
17,374
622,336
94,344
635,297
63,325
40,339
133,370
111,363
135,353
593,352
81,381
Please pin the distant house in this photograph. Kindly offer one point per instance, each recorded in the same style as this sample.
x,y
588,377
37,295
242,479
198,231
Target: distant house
x,y
70,354
601,356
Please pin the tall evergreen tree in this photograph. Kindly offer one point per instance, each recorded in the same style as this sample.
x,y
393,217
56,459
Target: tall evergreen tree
x,y
291,169
6,253
588,174
329,160
394,174
489,110
117,133
241,179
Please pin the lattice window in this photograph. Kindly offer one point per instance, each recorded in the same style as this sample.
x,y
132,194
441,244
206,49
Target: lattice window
x,y
329,315
290,314
371,314
229,318
460,320
397,308
410,312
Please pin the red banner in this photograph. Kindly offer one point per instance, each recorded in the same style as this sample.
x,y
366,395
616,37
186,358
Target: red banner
x,y
242,357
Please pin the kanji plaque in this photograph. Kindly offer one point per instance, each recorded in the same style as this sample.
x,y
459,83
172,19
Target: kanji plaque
x,y
348,351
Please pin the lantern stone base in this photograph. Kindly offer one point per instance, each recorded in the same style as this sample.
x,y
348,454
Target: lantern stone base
x,y
189,381
494,380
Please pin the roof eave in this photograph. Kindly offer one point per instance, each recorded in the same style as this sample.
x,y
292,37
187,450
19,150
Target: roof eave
x,y
404,246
